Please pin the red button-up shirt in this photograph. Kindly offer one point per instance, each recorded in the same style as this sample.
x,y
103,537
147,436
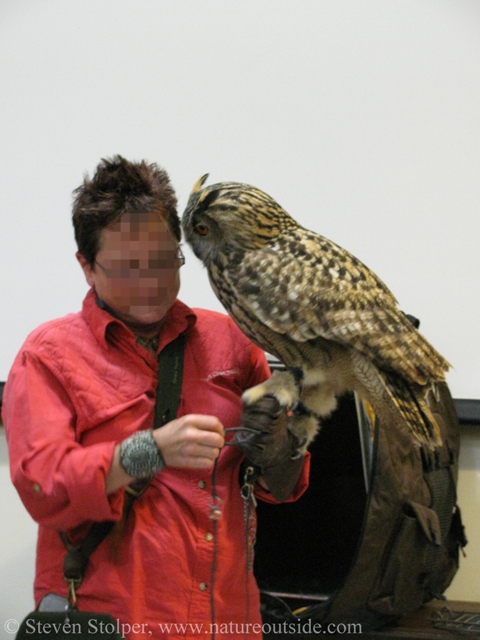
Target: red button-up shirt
x,y
79,386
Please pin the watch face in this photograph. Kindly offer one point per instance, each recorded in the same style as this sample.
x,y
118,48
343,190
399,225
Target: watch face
x,y
140,456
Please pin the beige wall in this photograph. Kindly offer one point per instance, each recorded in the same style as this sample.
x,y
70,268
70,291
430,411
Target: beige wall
x,y
466,584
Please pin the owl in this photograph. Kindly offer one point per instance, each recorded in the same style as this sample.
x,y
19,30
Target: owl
x,y
326,316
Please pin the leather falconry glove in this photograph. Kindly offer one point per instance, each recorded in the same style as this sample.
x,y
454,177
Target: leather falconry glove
x,y
270,446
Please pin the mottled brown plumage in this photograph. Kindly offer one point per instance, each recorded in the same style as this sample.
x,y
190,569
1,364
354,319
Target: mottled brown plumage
x,y
315,306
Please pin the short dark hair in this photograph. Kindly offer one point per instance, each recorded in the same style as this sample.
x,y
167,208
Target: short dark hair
x,y
118,187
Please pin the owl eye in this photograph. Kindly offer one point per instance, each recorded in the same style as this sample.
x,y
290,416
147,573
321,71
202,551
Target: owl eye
x,y
202,229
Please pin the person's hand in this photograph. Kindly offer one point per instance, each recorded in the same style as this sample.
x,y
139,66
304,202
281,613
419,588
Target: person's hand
x,y
190,441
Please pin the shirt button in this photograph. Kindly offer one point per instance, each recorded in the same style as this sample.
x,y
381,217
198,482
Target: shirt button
x,y
209,537
202,484
203,586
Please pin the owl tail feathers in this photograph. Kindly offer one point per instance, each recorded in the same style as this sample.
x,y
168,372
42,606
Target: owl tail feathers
x,y
395,400
410,401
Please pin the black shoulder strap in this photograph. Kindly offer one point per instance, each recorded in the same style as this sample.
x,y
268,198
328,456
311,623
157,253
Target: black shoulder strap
x,y
170,376
169,387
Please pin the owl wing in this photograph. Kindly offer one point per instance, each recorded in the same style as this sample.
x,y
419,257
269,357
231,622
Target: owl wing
x,y
305,286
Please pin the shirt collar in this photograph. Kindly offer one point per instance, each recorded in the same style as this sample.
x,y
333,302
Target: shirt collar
x,y
179,319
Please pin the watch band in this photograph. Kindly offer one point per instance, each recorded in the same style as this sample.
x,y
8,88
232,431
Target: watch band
x,y
140,456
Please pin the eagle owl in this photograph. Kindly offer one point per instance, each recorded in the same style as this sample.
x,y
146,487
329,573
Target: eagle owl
x,y
327,317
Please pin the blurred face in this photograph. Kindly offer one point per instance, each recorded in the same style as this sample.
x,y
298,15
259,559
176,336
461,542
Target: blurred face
x,y
136,270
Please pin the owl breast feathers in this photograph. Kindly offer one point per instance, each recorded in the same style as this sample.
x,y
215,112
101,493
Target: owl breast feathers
x,y
314,306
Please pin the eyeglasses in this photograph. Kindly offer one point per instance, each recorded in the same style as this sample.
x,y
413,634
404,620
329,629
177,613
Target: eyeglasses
x,y
131,269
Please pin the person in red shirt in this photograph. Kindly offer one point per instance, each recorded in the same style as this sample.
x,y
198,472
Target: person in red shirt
x,y
78,411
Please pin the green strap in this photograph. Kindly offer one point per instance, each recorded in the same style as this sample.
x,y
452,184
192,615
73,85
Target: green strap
x,y
170,375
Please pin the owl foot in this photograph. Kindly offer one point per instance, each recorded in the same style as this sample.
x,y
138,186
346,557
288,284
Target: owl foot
x,y
304,425
285,388
282,386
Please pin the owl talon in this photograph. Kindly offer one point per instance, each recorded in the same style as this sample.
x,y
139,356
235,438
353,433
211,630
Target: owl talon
x,y
304,427
281,409
282,386
300,450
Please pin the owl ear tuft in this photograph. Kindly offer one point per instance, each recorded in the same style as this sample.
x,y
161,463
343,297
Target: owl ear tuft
x,y
207,197
199,183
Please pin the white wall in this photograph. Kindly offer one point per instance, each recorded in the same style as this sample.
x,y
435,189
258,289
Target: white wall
x,y
359,116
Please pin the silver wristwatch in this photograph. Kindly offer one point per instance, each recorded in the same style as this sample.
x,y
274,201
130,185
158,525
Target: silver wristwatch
x,y
139,455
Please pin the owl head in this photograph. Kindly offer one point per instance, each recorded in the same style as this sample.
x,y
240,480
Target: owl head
x,y
228,218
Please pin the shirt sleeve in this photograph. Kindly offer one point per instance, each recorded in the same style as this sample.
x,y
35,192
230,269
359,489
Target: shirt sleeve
x,y
258,370
60,482
242,353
